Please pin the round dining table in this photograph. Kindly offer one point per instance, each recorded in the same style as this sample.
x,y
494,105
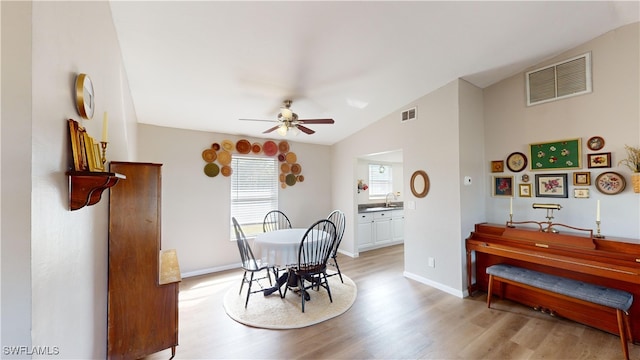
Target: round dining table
x,y
279,247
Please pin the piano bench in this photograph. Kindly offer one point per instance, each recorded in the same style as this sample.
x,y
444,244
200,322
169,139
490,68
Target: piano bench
x,y
567,289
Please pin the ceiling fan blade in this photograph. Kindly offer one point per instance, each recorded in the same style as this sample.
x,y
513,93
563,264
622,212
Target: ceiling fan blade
x,y
316,121
270,130
258,120
305,129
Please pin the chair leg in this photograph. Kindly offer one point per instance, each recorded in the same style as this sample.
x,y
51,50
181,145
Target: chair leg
x,y
248,291
244,279
335,261
623,333
302,290
326,282
489,291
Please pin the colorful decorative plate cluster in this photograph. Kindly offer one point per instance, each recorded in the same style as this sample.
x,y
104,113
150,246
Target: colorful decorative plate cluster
x,y
218,158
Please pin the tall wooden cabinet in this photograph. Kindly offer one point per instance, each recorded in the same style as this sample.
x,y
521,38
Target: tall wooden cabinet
x,y
142,313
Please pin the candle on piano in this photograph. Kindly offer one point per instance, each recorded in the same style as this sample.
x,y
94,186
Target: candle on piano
x,y
510,206
105,126
598,210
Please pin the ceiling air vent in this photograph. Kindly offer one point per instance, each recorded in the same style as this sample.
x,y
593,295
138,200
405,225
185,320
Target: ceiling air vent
x,y
561,80
409,114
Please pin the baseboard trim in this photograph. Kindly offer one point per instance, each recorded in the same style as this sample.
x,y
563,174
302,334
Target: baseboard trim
x,y
437,285
209,270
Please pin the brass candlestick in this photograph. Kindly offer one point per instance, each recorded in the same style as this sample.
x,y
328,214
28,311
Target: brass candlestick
x,y
510,223
598,235
103,144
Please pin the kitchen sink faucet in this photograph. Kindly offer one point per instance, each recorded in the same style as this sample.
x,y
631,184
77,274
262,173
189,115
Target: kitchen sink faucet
x,y
386,199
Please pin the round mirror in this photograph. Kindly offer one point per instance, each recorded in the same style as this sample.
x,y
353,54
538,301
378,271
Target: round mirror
x,y
419,184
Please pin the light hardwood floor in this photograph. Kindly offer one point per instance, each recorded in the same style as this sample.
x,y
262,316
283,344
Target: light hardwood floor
x,y
392,318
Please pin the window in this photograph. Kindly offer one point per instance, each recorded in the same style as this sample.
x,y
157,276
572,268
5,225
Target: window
x,y
254,192
380,180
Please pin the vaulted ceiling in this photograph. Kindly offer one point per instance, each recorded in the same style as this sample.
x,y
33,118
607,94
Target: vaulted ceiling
x,y
203,65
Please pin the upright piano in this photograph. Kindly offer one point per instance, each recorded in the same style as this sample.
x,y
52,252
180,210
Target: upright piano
x,y
614,263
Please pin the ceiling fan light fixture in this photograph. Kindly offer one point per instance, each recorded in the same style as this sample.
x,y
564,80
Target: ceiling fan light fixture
x,y
282,130
286,114
294,130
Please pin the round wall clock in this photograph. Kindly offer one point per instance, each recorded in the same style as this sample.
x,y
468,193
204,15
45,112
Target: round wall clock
x,y
610,183
517,161
84,96
595,143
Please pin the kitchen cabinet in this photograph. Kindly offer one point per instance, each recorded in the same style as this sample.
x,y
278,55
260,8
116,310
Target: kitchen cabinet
x,y
382,224
397,225
365,230
380,228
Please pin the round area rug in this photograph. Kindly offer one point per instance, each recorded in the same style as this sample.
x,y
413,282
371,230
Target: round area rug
x,y
273,312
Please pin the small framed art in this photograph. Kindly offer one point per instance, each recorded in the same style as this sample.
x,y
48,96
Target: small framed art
x,y
552,185
502,186
581,193
599,160
497,166
516,161
581,178
595,143
524,190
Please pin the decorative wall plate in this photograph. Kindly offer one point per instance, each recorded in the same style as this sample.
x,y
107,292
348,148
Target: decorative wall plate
x,y
610,183
209,155
517,161
595,143
270,148
243,146
211,170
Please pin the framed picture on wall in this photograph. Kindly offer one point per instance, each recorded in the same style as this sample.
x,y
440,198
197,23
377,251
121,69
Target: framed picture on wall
x,y
581,178
581,193
552,185
561,154
502,186
599,160
524,190
497,166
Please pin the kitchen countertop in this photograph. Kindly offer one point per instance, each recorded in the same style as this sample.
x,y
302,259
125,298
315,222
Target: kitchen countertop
x,y
381,208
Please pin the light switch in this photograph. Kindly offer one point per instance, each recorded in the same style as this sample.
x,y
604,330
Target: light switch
x,y
467,180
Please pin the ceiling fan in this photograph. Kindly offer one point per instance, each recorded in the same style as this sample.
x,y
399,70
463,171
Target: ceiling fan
x,y
288,121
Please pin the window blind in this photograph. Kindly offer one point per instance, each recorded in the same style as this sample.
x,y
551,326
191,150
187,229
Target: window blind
x,y
254,192
380,180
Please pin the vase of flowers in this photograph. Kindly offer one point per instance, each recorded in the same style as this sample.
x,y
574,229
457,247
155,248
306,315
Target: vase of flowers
x,y
633,163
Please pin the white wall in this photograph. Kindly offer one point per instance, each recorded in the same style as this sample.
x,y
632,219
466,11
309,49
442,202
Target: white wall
x,y
16,174
429,143
611,111
472,164
65,250
195,207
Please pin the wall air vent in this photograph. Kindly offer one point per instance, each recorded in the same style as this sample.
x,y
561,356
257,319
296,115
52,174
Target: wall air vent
x,y
409,114
558,81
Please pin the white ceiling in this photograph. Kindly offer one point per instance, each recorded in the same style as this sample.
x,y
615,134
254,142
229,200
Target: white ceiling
x,y
203,65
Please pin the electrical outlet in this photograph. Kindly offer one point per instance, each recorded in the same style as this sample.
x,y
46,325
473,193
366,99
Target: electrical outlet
x,y
431,262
